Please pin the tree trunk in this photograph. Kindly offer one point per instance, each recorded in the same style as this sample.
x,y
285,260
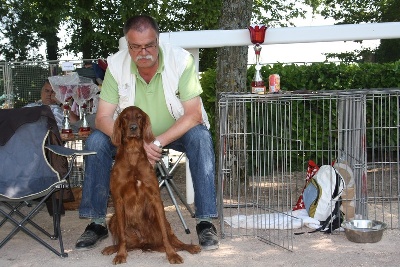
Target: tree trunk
x,y
49,34
52,45
86,29
231,61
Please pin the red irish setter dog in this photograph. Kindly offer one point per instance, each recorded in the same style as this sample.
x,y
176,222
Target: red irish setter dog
x,y
139,221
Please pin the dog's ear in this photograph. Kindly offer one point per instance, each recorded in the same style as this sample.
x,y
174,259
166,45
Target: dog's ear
x,y
116,137
148,136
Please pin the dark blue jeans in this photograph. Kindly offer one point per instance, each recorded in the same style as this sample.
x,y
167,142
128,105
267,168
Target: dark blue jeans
x,y
196,143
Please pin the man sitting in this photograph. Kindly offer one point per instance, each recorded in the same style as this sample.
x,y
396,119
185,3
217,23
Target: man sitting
x,y
48,97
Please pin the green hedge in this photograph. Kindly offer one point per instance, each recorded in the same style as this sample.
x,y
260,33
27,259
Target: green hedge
x,y
331,76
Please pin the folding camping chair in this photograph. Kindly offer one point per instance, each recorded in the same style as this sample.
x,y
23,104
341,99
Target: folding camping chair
x,y
165,170
34,170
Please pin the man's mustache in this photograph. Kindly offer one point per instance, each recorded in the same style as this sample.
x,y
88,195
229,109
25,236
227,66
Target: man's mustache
x,y
144,57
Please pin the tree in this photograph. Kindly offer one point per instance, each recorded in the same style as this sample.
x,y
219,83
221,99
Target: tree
x,y
83,17
16,27
350,11
107,18
94,26
237,14
49,17
232,61
27,24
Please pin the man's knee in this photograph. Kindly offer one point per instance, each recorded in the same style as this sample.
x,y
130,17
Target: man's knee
x,y
97,141
199,133
200,140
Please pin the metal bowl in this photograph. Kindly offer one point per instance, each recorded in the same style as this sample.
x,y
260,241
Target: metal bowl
x,y
364,231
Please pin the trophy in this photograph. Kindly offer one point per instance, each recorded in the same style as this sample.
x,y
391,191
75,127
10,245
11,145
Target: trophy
x,y
66,131
64,87
257,36
81,90
84,92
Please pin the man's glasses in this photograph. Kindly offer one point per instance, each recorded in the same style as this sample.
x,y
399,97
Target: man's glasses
x,y
138,48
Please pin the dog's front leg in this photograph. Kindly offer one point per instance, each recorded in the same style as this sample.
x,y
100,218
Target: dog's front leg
x,y
172,256
121,245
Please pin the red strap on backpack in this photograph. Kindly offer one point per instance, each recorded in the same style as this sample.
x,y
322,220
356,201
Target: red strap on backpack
x,y
311,171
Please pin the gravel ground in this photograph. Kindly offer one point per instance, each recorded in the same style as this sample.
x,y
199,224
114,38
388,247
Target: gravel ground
x,y
315,249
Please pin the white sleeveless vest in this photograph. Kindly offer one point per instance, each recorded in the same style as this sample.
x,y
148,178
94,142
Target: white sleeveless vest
x,y
175,60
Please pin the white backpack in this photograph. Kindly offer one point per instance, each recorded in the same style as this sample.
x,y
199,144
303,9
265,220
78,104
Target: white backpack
x,y
322,199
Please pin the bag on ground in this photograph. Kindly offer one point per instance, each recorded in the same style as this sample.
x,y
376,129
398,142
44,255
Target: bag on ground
x,y
322,198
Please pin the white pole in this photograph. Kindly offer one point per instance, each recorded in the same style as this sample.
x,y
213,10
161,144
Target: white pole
x,y
286,35
189,184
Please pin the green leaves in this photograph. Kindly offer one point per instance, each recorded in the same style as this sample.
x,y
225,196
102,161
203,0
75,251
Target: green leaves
x,y
364,11
333,76
276,13
209,96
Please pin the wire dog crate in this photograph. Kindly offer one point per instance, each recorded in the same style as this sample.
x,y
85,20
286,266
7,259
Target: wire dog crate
x,y
266,142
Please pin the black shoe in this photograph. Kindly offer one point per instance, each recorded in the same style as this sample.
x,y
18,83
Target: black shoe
x,y
207,233
93,234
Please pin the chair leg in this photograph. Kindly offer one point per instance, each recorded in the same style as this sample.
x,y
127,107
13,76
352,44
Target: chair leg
x,y
178,210
13,232
183,200
57,207
13,210
22,216
166,178
21,225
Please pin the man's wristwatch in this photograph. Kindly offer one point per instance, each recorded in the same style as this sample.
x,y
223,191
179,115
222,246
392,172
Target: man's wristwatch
x,y
157,143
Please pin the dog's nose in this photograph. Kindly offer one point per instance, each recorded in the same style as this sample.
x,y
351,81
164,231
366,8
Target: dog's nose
x,y
133,127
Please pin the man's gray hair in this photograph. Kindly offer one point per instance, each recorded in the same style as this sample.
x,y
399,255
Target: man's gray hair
x,y
140,23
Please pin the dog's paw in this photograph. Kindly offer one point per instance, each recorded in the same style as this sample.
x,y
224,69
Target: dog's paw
x,y
193,249
175,258
109,250
119,259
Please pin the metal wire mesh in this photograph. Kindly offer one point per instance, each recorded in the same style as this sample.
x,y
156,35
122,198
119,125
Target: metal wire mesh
x,y
6,99
380,187
266,142
22,81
